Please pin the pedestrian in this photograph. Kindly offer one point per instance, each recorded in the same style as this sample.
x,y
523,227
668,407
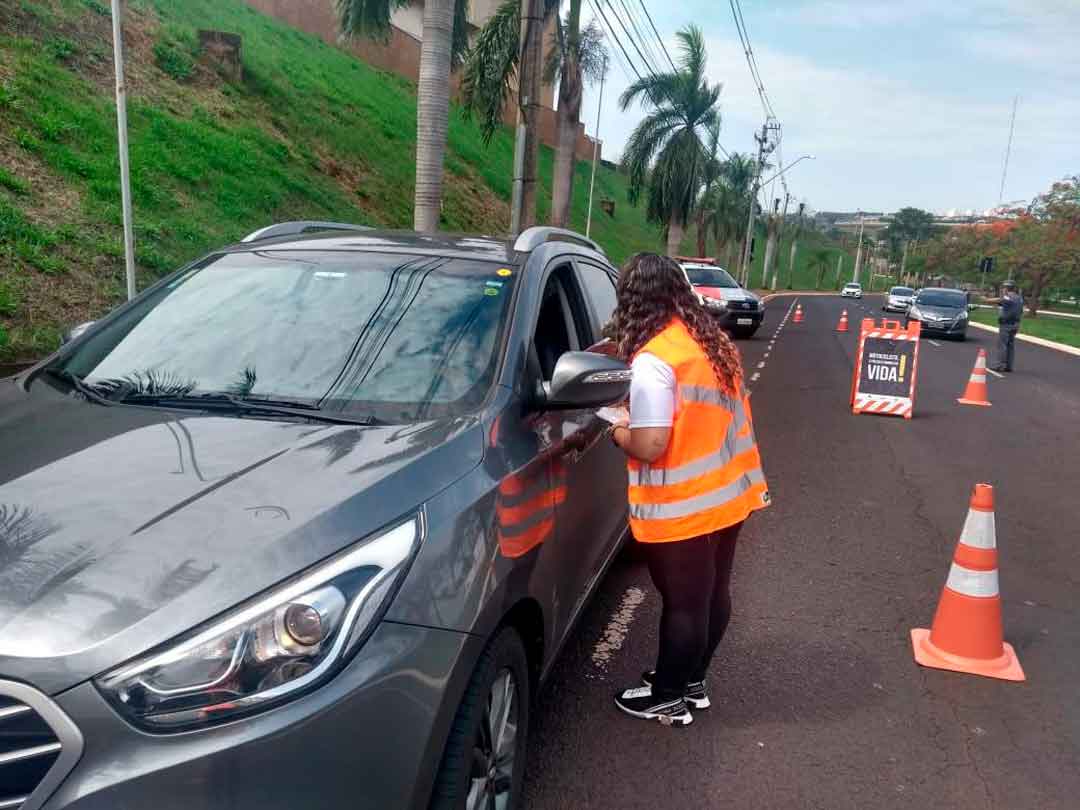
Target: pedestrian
x,y
1010,313
694,473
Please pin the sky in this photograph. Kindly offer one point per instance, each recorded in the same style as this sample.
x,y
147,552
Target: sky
x,y
901,102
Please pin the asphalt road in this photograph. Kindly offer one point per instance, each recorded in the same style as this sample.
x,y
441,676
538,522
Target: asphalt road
x,y
817,700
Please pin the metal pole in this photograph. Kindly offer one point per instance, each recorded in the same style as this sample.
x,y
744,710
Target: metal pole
x,y
745,272
122,135
519,178
595,148
858,253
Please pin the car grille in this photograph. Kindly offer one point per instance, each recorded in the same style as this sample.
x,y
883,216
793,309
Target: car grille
x,y
741,305
32,754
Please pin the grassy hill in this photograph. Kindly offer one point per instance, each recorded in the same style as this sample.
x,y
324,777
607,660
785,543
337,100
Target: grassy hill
x,y
310,132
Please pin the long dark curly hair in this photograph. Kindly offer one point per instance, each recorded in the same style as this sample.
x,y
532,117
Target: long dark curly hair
x,y
652,292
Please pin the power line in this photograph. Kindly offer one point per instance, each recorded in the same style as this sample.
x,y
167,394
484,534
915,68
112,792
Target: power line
x,y
629,36
659,39
646,44
751,61
624,60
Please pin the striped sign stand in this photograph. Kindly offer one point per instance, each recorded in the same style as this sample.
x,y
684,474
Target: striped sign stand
x,y
886,368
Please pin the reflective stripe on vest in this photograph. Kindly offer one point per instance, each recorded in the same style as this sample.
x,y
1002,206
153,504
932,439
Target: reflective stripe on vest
x,y
708,500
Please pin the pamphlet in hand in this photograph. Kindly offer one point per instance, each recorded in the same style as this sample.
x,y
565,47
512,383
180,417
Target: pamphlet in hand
x,y
616,416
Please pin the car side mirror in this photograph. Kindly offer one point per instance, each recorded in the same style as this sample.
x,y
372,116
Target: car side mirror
x,y
585,380
75,331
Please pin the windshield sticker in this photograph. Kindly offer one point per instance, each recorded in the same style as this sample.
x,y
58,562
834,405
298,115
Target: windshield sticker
x,y
490,291
493,283
328,274
504,272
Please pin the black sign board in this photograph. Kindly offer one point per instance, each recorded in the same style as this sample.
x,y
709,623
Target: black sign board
x,y
888,360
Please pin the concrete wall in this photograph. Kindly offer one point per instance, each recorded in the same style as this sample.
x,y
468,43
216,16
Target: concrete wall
x,y
401,53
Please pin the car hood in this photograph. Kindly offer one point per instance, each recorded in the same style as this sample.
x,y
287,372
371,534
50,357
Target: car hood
x,y
727,293
121,527
939,313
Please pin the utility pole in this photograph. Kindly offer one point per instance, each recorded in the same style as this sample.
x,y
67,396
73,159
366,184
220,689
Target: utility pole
x,y
839,269
858,252
903,261
122,137
595,147
778,240
763,149
523,201
1008,149
794,247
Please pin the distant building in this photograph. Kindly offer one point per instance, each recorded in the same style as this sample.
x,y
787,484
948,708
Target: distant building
x,y
400,53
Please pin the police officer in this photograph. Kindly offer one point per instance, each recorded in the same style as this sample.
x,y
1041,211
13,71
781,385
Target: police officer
x,y
1010,311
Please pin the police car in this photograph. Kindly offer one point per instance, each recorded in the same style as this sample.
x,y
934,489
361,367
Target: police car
x,y
739,311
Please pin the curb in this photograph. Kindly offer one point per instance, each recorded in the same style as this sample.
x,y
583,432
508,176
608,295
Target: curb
x,y
820,293
1049,344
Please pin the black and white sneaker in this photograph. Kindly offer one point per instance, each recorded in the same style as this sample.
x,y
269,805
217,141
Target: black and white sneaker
x,y
696,695
641,703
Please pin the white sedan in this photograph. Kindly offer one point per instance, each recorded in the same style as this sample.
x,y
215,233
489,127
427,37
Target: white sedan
x,y
851,290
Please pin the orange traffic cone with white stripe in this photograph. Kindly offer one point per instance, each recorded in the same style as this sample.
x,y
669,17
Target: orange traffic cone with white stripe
x,y
975,393
842,326
798,313
966,635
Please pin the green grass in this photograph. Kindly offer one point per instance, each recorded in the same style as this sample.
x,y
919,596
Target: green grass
x,y
1059,330
310,132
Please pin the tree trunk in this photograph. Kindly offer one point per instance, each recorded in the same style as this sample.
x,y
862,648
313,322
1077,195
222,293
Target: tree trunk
x,y
676,231
766,265
529,75
702,235
791,264
567,117
432,111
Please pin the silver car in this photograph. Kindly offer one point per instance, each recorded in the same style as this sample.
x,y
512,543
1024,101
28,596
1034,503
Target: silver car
x,y
899,299
305,525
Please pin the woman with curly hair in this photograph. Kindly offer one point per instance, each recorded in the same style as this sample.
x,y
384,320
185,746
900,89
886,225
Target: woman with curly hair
x,y
695,474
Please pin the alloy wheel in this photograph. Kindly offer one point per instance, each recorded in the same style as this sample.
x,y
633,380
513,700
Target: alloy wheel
x,y
495,746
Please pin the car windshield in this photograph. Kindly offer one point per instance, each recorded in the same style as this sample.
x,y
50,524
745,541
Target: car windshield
x,y
709,277
390,336
942,298
852,287
902,291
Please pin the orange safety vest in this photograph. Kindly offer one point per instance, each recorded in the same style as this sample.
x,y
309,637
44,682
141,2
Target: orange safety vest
x,y
525,509
709,477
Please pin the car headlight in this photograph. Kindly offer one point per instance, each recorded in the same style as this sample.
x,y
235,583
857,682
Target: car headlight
x,y
714,303
913,312
270,650
962,316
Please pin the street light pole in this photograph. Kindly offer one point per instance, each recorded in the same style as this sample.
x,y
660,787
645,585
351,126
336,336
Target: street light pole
x,y
762,139
595,148
858,252
122,136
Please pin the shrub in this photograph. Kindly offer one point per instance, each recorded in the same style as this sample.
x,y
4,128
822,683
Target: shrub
x,y
98,8
8,300
173,61
60,48
13,183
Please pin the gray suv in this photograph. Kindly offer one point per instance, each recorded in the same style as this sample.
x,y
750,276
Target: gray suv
x,y
305,525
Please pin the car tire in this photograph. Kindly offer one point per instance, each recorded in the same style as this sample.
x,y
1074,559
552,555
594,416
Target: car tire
x,y
469,745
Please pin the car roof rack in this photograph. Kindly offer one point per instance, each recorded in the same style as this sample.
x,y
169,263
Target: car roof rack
x,y
532,238
300,226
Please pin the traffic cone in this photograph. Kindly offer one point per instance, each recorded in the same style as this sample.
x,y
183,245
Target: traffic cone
x,y
842,326
975,393
966,635
798,313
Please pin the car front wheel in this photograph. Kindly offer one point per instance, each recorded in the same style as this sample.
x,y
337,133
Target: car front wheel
x,y
483,765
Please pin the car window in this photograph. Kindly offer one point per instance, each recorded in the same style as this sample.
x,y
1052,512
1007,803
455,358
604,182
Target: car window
x,y
600,290
555,333
710,277
941,298
901,291
401,337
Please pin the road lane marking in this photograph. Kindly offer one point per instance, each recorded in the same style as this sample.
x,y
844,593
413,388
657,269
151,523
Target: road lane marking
x,y
996,373
761,364
933,342
617,627
754,376
766,355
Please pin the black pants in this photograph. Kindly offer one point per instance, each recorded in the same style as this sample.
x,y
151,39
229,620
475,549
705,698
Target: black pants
x,y
1006,345
694,579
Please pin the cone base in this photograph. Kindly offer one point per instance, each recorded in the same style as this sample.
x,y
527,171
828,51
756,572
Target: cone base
x,y
965,401
1006,667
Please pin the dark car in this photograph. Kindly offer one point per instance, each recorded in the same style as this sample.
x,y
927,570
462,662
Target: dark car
x,y
739,310
940,311
305,525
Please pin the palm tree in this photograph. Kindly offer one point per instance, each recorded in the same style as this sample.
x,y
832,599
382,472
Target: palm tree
x,y
725,206
488,83
444,41
665,156
711,173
